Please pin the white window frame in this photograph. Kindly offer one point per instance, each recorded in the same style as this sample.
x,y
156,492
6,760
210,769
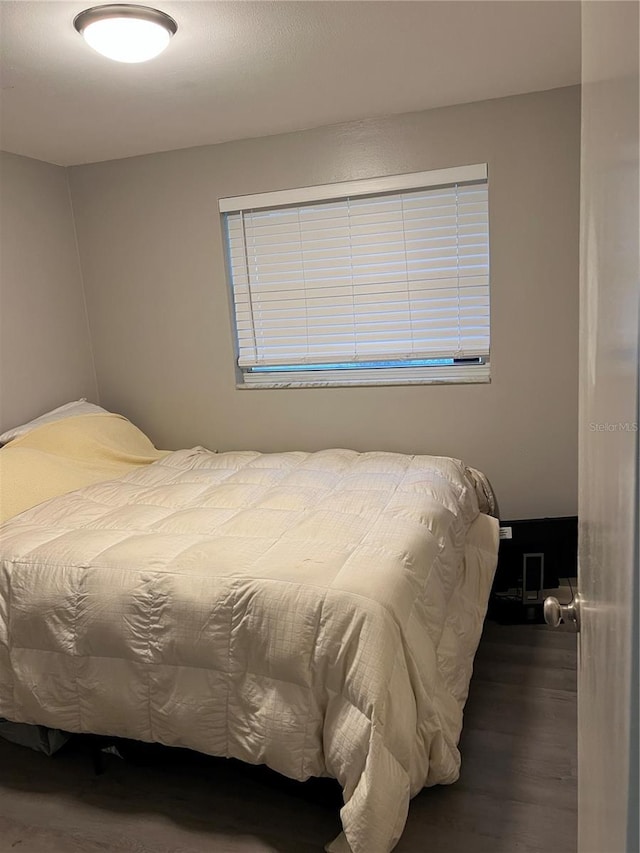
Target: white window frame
x,y
392,370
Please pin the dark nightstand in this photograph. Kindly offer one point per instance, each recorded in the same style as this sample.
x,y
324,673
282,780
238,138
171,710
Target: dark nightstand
x,y
535,554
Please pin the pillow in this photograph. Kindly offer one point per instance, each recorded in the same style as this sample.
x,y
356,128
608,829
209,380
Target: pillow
x,y
78,407
487,501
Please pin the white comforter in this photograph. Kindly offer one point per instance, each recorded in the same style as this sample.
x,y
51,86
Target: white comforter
x,y
314,612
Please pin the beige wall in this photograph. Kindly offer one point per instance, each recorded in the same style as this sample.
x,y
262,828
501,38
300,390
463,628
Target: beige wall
x,y
45,356
152,258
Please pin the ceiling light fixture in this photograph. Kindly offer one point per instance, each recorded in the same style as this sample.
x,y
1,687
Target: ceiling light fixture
x,y
125,32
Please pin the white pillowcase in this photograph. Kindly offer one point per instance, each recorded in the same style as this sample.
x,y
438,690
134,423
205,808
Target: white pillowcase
x,y
79,407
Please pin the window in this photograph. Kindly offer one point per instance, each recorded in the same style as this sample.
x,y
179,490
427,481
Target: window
x,y
367,282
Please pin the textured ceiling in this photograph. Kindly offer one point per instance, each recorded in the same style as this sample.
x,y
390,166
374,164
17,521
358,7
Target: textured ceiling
x,y
240,69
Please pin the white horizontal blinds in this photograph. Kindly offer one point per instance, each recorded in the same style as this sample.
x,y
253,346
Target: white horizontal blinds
x,y
388,277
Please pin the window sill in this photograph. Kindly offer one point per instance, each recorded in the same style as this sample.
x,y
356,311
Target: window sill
x,y
482,378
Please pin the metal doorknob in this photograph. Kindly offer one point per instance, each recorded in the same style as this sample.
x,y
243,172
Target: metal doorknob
x,y
556,614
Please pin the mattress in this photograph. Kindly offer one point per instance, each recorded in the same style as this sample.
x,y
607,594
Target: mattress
x,y
317,612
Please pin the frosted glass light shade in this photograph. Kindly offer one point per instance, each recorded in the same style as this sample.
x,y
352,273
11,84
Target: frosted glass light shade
x,y
126,33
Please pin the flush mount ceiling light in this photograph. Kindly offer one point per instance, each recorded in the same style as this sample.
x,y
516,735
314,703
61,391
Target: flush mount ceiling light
x,y
125,32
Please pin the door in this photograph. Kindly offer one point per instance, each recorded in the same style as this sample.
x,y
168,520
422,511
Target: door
x,y
608,424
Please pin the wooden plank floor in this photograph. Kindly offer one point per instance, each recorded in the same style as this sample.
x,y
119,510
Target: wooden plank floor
x,y
516,794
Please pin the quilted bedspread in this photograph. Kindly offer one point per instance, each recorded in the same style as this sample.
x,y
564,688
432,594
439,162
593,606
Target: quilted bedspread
x,y
316,612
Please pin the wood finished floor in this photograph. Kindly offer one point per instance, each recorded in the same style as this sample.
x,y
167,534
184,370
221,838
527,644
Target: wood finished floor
x,y
516,794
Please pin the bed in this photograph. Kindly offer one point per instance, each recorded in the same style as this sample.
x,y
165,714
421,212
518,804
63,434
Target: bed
x,y
315,612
